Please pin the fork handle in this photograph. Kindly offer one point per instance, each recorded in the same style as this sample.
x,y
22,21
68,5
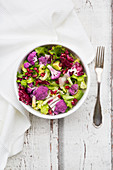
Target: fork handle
x,y
97,117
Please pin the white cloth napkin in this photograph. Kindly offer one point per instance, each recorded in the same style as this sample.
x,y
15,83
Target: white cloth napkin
x,y
25,25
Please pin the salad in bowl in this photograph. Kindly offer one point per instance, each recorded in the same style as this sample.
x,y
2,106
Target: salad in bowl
x,y
51,81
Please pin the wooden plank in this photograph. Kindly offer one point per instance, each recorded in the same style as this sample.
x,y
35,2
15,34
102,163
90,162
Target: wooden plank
x,y
84,146
54,144
112,86
81,146
36,151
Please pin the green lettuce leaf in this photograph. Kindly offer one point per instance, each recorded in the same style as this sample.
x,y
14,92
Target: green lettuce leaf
x,y
44,109
83,85
30,80
20,75
68,103
41,50
67,97
24,83
56,51
78,95
39,103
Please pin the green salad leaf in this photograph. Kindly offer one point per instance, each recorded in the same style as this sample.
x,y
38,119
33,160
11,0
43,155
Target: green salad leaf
x,y
44,109
56,51
20,75
24,83
41,50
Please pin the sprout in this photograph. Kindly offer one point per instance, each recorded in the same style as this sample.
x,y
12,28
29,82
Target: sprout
x,y
54,73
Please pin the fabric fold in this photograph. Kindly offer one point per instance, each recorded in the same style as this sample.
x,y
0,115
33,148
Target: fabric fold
x,y
24,27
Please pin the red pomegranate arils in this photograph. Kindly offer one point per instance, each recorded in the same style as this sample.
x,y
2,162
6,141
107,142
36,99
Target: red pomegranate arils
x,y
28,69
67,87
50,112
59,96
42,74
73,103
35,68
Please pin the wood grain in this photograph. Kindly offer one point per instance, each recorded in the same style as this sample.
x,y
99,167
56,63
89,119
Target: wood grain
x,y
73,143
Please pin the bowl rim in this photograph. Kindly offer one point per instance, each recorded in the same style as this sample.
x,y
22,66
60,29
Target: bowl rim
x,y
38,113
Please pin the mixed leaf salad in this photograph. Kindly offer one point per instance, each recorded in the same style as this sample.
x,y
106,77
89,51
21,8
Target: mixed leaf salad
x,y
51,80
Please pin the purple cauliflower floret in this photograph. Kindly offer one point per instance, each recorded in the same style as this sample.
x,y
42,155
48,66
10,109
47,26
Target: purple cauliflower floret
x,y
29,90
41,92
32,58
54,73
79,68
42,60
60,107
30,84
26,65
73,89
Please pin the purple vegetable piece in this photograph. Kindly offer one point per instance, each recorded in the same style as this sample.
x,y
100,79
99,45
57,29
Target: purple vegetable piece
x,y
80,73
32,58
60,107
23,96
54,73
70,58
48,58
42,60
26,65
73,89
29,90
65,62
79,68
30,84
41,92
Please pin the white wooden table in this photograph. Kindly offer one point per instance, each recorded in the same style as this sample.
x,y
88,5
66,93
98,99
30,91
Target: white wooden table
x,y
73,143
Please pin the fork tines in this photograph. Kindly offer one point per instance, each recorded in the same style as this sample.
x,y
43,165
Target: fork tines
x,y
100,57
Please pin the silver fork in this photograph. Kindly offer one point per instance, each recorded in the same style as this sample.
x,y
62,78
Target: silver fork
x,y
99,64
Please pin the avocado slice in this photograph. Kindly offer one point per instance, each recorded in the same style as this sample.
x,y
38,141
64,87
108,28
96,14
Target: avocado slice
x,y
78,95
56,65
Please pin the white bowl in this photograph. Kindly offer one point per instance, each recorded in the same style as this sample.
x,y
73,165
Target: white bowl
x,y
62,115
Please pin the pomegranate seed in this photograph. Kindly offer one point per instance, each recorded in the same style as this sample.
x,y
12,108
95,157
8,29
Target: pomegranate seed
x,y
29,74
59,96
64,71
55,91
57,81
75,100
50,112
34,76
63,55
35,68
51,92
37,71
26,77
73,103
60,64
28,69
22,87
67,81
42,74
67,87
66,52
